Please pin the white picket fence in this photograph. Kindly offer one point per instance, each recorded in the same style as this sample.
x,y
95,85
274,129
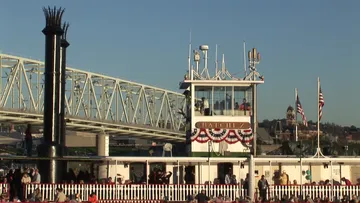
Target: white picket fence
x,y
314,191
181,192
130,201
135,192
4,187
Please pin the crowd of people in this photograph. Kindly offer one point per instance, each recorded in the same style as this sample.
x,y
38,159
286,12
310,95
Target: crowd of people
x,y
17,179
203,198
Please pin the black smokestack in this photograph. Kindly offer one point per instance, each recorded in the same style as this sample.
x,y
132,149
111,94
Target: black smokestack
x,y
52,32
62,123
50,147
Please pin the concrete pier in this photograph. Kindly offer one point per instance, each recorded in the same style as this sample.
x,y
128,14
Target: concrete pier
x,y
102,146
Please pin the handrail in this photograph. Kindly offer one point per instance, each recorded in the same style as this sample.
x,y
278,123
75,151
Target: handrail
x,y
122,184
180,192
171,192
280,185
275,185
162,201
310,184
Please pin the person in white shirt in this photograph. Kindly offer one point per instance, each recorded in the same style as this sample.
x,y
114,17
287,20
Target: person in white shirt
x,y
228,178
25,179
36,178
206,106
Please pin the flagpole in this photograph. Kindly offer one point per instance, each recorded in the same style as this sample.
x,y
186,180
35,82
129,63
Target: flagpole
x,y
318,153
296,121
318,113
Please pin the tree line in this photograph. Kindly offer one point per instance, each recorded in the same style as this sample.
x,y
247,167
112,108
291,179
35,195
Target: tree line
x,y
328,128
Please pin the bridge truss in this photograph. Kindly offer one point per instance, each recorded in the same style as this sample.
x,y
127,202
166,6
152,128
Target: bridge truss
x,y
94,102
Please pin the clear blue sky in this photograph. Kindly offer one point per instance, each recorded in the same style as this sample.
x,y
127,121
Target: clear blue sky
x,y
146,41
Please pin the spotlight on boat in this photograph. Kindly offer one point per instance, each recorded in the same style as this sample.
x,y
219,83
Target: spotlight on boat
x,y
167,148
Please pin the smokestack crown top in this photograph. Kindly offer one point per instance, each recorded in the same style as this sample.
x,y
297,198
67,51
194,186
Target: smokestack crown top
x,y
64,42
53,18
65,29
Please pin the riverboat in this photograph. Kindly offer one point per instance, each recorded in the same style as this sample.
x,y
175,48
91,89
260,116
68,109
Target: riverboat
x,y
221,123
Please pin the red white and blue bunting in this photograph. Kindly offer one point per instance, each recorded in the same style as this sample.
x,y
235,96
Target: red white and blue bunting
x,y
230,136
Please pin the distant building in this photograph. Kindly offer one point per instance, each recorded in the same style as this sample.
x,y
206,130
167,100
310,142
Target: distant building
x,y
354,137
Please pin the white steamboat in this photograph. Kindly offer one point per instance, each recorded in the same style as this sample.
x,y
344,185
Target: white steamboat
x,y
221,133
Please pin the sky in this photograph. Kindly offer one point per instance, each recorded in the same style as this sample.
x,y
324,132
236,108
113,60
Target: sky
x,y
147,42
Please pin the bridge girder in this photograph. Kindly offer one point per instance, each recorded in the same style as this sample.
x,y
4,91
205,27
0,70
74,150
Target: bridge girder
x,y
94,102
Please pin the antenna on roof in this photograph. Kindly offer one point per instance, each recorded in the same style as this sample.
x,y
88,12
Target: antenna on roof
x,y
223,67
216,62
189,58
245,60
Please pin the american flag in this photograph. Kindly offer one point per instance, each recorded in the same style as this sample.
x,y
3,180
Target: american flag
x,y
300,110
321,103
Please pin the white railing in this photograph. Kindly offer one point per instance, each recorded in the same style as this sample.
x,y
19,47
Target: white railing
x,y
314,191
130,201
135,192
181,192
4,186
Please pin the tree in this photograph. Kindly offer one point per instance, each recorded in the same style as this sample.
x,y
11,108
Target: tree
x,y
353,128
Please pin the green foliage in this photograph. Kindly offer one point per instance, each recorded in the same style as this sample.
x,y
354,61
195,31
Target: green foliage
x,y
331,146
328,128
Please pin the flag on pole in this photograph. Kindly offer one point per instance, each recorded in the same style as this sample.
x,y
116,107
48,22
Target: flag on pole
x,y
300,110
321,103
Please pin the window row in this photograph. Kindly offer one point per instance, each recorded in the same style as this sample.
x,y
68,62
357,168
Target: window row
x,y
218,101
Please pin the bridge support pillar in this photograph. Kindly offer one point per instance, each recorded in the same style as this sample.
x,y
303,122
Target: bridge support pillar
x,y
102,147
252,178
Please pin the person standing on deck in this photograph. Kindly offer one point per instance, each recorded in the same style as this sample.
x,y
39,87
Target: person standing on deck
x,y
228,177
245,105
263,185
284,178
28,140
347,181
246,184
133,175
205,106
36,178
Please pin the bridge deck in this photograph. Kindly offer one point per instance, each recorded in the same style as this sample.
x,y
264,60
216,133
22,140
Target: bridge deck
x,y
94,102
97,126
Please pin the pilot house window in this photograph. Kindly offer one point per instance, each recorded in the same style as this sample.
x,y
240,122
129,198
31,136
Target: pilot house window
x,y
222,101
